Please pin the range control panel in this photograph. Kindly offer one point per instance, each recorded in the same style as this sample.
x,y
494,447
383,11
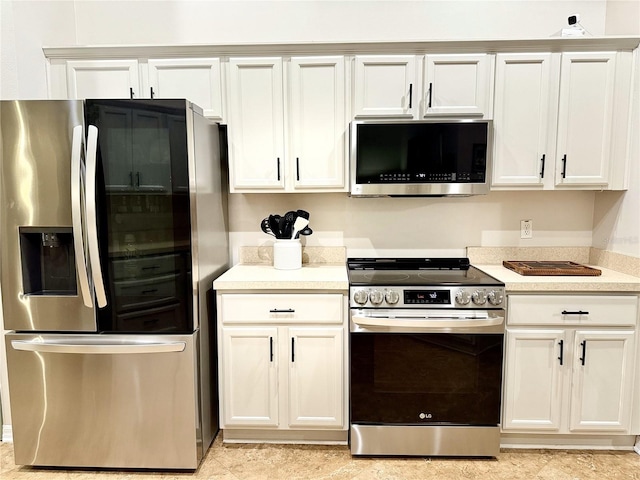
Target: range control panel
x,y
426,297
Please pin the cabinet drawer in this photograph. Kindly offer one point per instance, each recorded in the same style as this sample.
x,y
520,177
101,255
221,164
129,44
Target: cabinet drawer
x,y
303,308
572,310
132,268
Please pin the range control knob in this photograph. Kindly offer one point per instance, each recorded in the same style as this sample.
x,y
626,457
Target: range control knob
x,y
376,297
479,297
463,297
392,297
361,297
495,297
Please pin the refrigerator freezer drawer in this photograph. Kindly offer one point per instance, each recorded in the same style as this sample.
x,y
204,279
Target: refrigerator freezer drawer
x,y
114,401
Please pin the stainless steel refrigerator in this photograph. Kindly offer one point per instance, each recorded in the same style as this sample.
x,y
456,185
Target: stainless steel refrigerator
x,y
113,228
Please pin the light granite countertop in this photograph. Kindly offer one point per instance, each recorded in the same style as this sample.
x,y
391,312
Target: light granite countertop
x,y
609,282
315,276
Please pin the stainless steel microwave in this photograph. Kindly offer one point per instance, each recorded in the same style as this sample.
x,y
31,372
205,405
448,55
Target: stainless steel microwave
x,y
421,157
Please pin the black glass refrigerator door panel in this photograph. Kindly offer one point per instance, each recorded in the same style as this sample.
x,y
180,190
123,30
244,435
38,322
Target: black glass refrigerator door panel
x,y
144,224
426,379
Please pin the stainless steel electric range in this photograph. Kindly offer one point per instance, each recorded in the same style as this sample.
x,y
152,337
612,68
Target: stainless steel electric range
x,y
426,345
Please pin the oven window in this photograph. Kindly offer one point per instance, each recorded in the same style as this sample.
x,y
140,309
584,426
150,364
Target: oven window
x,y
426,378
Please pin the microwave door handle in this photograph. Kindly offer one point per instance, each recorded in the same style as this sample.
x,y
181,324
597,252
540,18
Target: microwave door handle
x,y
92,221
76,214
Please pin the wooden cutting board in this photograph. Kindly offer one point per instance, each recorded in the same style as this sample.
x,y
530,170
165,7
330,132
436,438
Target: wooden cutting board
x,y
550,268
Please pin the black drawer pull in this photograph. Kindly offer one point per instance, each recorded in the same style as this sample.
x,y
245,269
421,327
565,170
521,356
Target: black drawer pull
x,y
277,310
278,168
153,290
579,312
410,95
564,166
561,343
542,160
293,349
584,352
153,267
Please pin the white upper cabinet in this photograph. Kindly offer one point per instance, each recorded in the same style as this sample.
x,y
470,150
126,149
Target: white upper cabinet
x,y
524,118
256,124
102,79
287,142
585,118
317,123
458,85
561,120
197,79
386,86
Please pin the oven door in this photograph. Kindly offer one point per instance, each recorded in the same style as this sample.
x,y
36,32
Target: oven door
x,y
436,368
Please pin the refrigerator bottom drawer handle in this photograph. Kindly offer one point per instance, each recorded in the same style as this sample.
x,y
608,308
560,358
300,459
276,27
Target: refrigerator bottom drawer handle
x,y
98,348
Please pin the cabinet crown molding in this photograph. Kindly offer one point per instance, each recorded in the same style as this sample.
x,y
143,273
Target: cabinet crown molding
x,y
551,44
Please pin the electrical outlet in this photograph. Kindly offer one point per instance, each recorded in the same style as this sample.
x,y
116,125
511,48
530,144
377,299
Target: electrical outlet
x,y
526,229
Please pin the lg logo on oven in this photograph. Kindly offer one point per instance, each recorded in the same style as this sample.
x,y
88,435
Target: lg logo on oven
x,y
425,416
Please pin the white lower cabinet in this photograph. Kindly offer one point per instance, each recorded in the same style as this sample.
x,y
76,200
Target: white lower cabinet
x,y
282,362
569,368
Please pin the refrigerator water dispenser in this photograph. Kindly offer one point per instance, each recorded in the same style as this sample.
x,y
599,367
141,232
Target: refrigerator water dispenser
x,y
48,261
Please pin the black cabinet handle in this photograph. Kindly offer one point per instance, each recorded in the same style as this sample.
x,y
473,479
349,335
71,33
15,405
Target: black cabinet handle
x,y
542,166
293,349
137,179
130,92
561,343
578,312
297,169
410,94
583,344
278,310
151,91
271,349
278,168
131,178
430,93
152,290
564,166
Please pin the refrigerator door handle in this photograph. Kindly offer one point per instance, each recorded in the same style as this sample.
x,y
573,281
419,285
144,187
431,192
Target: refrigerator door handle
x,y
40,346
92,221
76,215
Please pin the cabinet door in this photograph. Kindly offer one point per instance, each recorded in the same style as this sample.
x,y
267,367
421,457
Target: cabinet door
x,y
534,367
317,122
316,372
151,152
525,111
115,140
256,124
584,118
249,383
386,86
602,380
458,85
196,79
103,79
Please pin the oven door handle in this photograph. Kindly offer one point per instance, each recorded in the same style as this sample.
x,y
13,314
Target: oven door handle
x,y
424,322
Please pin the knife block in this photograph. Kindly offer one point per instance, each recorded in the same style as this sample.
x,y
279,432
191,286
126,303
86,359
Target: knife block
x,y
287,254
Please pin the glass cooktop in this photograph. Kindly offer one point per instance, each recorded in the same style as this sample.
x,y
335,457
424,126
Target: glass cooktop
x,y
416,271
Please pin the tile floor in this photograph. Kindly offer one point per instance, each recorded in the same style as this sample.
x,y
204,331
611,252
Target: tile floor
x,y
248,462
